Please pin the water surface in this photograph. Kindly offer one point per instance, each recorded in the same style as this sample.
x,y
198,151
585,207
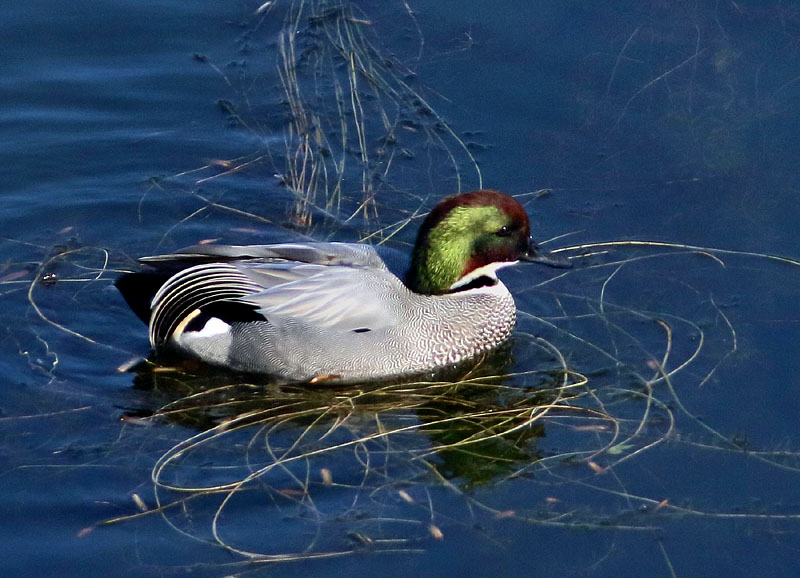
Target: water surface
x,y
133,129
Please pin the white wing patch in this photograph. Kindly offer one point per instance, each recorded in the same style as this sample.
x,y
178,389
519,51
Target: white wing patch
x,y
214,327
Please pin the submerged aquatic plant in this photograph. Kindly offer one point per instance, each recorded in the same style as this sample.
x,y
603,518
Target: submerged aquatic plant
x,y
355,130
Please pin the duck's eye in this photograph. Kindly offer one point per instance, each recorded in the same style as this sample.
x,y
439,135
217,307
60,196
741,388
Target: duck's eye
x,y
504,231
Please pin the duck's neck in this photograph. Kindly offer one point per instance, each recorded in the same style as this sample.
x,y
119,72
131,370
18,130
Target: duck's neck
x,y
433,270
441,257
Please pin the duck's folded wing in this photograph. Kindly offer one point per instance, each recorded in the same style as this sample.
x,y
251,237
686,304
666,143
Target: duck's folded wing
x,y
340,298
344,254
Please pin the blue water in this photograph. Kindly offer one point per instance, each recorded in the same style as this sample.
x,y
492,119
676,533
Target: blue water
x,y
636,121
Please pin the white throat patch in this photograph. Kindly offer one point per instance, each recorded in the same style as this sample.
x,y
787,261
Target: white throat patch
x,y
489,270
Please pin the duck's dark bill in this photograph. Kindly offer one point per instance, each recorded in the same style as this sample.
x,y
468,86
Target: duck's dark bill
x,y
536,254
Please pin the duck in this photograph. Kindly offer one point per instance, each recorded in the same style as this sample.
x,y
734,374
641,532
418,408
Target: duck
x,y
315,311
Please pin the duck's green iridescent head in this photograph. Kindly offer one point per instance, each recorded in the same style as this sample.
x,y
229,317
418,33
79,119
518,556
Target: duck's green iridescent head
x,y
467,237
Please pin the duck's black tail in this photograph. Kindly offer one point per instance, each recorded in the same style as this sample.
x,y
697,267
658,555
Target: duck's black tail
x,y
138,290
